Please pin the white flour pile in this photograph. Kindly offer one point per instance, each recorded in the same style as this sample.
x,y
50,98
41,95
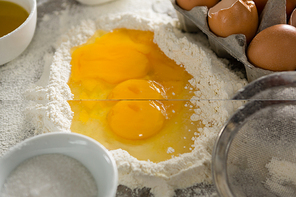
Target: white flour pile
x,y
50,175
211,79
282,180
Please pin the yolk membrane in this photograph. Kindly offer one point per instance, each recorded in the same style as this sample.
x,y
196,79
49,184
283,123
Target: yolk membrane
x,y
135,119
128,94
147,115
112,61
138,89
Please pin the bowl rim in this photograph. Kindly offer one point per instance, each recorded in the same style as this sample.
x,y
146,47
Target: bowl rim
x,y
33,10
233,125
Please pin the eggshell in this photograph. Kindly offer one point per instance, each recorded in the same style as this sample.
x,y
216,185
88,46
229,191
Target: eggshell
x,y
234,17
260,5
292,20
290,6
189,4
274,48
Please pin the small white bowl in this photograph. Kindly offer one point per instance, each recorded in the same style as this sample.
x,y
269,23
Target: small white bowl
x,y
15,42
95,157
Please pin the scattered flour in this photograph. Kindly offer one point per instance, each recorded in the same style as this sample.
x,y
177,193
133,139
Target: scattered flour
x,y
282,180
170,150
50,175
212,80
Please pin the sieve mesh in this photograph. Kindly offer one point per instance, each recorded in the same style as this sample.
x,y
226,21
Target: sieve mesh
x,y
269,133
255,154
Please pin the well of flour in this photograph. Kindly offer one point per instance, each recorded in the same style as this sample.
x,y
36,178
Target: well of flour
x,y
128,94
213,82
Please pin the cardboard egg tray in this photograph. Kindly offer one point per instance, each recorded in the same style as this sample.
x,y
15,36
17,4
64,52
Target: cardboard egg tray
x,y
233,46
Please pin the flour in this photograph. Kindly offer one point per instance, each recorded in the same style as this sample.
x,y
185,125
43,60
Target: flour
x,y
170,150
211,79
50,175
55,18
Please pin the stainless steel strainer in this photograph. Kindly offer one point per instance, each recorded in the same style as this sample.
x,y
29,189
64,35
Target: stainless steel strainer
x,y
255,153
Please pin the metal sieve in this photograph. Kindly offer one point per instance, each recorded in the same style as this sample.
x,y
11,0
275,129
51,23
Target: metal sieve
x,y
260,133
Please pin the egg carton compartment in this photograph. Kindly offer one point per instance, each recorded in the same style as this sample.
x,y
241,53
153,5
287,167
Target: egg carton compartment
x,y
233,46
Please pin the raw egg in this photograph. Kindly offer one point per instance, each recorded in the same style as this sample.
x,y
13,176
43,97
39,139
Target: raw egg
x,y
136,119
189,4
138,89
234,17
274,48
129,95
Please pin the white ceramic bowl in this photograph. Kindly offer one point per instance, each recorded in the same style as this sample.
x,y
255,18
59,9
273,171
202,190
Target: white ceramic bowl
x,y
95,157
14,43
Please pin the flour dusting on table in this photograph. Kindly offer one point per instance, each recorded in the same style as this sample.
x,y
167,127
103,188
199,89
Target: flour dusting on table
x,y
212,80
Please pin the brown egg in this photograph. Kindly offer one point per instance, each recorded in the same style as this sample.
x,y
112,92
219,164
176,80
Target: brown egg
x,y
260,5
290,6
234,17
292,20
274,48
189,4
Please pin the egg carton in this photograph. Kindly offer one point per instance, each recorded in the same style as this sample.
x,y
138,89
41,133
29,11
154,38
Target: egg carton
x,y
233,46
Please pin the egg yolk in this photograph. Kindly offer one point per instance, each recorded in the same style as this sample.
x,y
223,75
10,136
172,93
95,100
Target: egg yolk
x,y
137,89
147,116
107,64
129,95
